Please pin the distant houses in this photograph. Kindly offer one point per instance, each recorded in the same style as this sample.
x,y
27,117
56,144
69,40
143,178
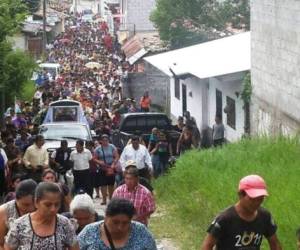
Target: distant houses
x,y
30,36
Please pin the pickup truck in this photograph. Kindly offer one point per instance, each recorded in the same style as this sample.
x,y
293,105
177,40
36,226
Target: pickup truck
x,y
142,124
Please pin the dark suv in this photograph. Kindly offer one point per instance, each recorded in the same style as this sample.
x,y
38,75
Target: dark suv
x,y
142,124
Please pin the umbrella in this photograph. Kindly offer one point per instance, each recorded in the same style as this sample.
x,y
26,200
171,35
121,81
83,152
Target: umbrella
x,y
64,40
93,65
83,57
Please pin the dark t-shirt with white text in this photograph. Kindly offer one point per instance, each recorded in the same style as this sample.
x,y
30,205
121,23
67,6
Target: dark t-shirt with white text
x,y
234,233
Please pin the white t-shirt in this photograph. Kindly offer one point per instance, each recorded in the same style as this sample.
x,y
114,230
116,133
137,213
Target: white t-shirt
x,y
81,160
141,157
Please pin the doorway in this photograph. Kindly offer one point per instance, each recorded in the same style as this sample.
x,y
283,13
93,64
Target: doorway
x,y
184,103
219,104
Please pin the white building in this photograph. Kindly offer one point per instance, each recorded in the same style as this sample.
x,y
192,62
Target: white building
x,y
206,78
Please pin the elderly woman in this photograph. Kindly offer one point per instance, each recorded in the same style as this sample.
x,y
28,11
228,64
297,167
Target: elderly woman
x,y
117,231
82,209
12,210
44,228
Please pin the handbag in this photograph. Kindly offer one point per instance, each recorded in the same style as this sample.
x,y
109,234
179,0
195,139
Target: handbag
x,y
109,171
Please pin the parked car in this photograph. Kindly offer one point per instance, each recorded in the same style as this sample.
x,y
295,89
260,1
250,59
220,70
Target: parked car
x,y
54,133
142,124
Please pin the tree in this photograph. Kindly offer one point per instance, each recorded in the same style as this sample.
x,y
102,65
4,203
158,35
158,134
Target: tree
x,y
12,14
18,67
15,66
33,5
183,23
238,12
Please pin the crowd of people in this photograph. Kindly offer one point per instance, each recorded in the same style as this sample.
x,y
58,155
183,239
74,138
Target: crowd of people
x,y
43,209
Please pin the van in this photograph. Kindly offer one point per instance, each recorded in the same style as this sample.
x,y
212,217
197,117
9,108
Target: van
x,y
52,68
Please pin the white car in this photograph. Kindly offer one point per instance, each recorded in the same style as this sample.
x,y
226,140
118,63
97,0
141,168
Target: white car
x,y
54,133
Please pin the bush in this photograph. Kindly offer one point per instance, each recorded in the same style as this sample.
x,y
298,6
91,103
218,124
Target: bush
x,y
28,91
205,182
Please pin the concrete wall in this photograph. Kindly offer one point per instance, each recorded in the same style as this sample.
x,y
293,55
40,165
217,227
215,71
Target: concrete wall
x,y
155,82
275,66
138,13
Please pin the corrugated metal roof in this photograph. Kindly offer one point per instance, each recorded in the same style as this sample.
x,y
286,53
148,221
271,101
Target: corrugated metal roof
x,y
214,58
140,44
34,27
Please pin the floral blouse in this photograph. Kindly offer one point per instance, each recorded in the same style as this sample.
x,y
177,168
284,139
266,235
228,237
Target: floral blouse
x,y
139,239
21,236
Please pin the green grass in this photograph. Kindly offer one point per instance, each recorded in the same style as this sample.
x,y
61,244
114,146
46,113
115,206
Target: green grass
x,y
205,182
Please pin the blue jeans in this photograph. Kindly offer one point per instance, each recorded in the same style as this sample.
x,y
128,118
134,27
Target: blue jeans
x,y
159,164
155,164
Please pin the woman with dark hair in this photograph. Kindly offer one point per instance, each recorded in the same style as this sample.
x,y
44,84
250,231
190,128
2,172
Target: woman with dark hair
x,y
117,231
14,209
186,140
44,228
49,175
107,158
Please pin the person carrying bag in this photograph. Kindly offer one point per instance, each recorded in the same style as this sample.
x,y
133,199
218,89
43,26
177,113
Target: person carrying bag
x,y
107,158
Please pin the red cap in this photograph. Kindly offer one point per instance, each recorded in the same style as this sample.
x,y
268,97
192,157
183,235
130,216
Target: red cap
x,y
254,186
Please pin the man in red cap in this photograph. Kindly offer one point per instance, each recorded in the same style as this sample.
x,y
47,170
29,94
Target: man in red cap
x,y
242,226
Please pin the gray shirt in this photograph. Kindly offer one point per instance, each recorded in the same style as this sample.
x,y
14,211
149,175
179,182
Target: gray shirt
x,y
218,131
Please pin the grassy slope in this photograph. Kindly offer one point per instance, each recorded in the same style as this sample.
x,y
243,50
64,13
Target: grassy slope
x,y
203,183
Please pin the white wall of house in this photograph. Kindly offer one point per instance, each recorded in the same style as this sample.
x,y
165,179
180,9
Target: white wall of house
x,y
229,87
176,106
19,41
197,100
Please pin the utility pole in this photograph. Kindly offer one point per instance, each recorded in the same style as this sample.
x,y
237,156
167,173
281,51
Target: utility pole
x,y
75,7
44,28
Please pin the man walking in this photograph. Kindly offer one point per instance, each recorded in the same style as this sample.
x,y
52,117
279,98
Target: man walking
x,y
140,155
81,169
60,160
139,195
218,132
36,159
243,225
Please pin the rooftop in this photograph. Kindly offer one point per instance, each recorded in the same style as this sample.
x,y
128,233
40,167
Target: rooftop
x,y
218,57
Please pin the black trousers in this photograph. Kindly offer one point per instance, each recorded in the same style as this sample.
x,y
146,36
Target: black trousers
x,y
2,183
83,180
145,173
218,142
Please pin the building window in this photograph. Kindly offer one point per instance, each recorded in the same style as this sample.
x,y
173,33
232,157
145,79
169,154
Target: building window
x,y
230,111
177,88
219,104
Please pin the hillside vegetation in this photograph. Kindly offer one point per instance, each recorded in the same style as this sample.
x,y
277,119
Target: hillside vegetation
x,y
205,182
